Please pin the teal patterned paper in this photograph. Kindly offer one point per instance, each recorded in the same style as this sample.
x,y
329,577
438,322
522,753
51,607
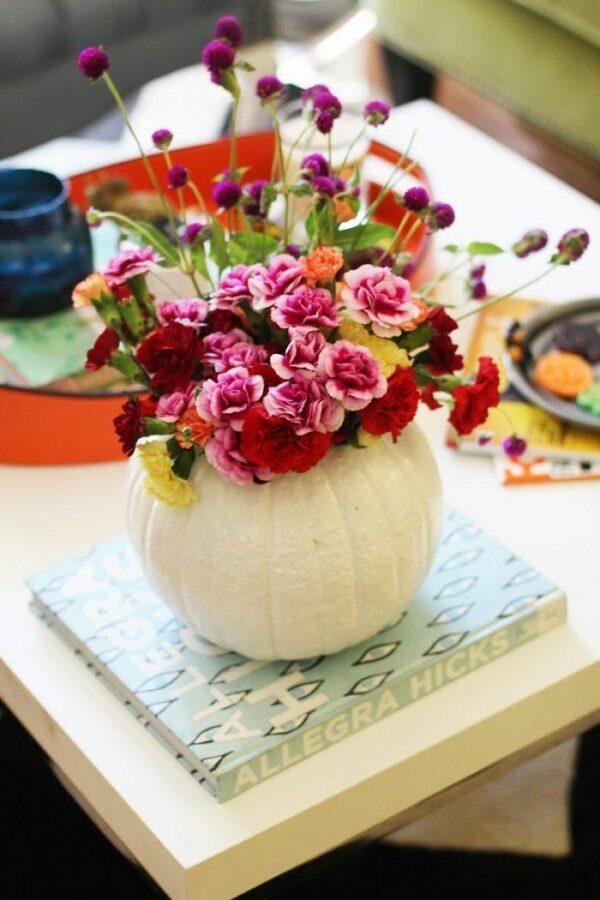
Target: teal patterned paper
x,y
234,721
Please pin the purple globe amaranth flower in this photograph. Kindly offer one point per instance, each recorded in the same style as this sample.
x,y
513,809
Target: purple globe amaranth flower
x,y
484,439
93,62
269,87
326,101
376,112
324,121
514,446
251,197
572,246
324,185
217,56
340,184
195,232
532,241
478,289
177,177
310,92
228,28
477,272
314,164
226,193
161,138
416,199
442,215
293,250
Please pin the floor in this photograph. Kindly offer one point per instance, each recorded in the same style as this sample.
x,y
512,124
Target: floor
x,y
50,849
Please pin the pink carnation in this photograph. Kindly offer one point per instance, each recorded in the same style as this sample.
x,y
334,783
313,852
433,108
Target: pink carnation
x,y
233,288
214,345
352,376
227,400
187,312
224,453
284,275
171,407
306,405
301,355
306,307
374,295
128,264
241,354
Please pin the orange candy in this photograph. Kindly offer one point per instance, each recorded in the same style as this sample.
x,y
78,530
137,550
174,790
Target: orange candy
x,y
564,374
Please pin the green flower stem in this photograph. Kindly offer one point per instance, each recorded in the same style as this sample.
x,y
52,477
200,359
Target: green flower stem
x,y
125,116
233,160
390,185
446,273
351,146
399,231
329,150
279,147
199,198
516,290
132,225
293,146
409,233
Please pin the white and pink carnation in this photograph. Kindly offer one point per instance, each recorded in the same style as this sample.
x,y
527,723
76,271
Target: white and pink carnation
x,y
284,274
228,400
187,312
241,354
171,407
224,453
128,264
214,345
307,307
351,375
233,288
301,356
374,296
306,405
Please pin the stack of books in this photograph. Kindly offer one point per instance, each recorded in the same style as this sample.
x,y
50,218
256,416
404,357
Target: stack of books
x,y
233,721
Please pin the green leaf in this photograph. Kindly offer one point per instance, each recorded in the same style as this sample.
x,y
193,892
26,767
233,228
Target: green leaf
x,y
451,248
244,65
218,246
248,247
267,197
150,236
183,460
157,426
301,189
483,248
373,234
133,318
198,255
411,340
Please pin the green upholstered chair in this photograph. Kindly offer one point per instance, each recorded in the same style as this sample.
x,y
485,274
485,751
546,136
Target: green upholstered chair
x,y
539,58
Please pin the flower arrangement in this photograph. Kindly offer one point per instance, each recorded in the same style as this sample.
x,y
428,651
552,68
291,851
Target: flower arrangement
x,y
296,336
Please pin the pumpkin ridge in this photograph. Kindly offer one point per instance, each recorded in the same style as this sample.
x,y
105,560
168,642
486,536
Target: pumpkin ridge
x,y
267,544
346,531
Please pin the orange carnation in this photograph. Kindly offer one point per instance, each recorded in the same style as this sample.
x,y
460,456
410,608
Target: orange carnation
x,y
323,264
191,429
420,317
343,211
89,289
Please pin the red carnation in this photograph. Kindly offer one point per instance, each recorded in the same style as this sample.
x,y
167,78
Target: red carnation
x,y
267,373
222,320
440,321
397,407
170,355
472,402
427,397
271,441
100,354
129,423
442,356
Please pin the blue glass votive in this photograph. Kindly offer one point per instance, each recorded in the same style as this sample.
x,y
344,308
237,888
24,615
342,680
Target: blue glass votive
x,y
45,246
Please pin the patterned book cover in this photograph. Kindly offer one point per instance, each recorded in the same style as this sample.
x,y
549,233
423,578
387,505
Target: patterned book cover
x,y
234,722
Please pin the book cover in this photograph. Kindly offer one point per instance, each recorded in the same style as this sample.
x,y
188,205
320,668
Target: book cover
x,y
233,721
548,437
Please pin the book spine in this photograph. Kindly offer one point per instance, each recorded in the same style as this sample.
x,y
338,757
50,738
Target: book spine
x,y
483,647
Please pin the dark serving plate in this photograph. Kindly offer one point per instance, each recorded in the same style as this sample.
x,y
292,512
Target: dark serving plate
x,y
534,336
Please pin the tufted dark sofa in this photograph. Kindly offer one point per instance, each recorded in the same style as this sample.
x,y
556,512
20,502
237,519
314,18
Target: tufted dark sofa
x,y
41,96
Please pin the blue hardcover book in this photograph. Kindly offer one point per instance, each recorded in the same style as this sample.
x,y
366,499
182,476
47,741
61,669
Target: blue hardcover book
x,y
233,721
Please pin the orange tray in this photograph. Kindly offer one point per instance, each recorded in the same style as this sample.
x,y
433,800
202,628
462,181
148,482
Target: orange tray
x,y
50,428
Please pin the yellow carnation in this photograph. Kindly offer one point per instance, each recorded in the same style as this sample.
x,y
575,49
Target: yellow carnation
x,y
365,439
384,350
161,482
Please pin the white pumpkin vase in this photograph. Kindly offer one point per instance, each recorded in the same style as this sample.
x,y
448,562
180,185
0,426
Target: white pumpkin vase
x,y
304,565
